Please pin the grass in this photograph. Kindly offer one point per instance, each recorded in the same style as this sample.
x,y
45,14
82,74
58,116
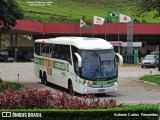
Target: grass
x,y
151,78
73,10
9,86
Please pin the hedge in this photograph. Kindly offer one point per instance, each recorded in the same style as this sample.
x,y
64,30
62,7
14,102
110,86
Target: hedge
x,y
128,112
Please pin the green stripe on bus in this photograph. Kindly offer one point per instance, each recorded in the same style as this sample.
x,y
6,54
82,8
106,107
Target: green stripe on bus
x,y
56,64
49,63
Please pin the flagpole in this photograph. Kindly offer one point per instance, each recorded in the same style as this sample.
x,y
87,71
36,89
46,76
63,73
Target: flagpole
x,y
80,31
118,38
80,28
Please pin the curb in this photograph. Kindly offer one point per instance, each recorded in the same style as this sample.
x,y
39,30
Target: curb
x,y
148,82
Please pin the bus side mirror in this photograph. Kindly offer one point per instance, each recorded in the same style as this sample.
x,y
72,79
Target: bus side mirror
x,y
120,58
79,59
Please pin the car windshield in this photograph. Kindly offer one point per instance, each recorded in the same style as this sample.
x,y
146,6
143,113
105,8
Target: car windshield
x,y
98,64
149,57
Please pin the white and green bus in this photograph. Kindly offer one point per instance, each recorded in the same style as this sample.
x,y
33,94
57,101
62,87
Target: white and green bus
x,y
80,64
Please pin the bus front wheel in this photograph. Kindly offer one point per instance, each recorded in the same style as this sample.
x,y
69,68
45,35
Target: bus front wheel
x,y
70,87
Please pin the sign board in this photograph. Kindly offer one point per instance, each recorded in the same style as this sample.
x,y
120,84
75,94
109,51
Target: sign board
x,y
135,44
116,43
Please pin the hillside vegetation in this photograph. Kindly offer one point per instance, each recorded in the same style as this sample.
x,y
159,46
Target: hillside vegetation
x,y
73,10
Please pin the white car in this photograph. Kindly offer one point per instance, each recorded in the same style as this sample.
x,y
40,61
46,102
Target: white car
x,y
150,61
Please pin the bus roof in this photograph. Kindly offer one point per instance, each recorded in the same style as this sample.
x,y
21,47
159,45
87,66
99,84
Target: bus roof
x,y
79,42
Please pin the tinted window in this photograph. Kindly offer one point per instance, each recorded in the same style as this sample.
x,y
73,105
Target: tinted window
x,y
61,52
53,50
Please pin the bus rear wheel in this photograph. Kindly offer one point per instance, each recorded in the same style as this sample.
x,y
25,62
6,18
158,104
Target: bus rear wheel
x,y
45,82
41,77
70,87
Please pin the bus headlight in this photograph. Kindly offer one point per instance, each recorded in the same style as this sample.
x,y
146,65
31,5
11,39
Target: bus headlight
x,y
115,83
88,83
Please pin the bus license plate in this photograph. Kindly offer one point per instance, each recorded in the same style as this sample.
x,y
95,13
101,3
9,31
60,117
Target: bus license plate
x,y
101,90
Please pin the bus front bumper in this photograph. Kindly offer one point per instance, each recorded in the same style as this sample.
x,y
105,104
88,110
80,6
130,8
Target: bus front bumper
x,y
94,90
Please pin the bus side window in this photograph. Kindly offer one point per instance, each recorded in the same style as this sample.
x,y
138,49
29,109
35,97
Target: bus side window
x,y
55,53
64,53
46,50
37,48
52,49
67,55
61,52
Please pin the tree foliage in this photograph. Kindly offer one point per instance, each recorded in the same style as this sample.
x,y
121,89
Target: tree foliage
x,y
144,6
9,13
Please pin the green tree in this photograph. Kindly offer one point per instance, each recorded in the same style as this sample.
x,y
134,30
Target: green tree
x,y
9,13
144,6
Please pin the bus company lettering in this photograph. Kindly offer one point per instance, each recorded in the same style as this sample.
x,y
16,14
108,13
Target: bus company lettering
x,y
104,82
59,65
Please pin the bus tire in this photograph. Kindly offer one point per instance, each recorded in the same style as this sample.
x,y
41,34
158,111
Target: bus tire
x,y
45,82
40,76
70,87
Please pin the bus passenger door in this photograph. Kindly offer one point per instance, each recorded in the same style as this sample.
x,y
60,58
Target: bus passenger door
x,y
76,69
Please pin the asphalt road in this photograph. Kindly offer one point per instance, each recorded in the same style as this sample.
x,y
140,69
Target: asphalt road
x,y
131,90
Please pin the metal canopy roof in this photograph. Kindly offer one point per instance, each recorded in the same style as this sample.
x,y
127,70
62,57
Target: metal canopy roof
x,y
31,27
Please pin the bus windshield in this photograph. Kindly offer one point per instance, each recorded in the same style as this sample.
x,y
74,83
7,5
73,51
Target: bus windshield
x,y
98,64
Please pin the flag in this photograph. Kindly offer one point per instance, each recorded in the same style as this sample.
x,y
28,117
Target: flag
x,y
98,20
84,24
124,18
112,15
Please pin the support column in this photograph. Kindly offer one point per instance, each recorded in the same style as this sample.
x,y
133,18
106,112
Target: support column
x,y
129,56
15,48
159,58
